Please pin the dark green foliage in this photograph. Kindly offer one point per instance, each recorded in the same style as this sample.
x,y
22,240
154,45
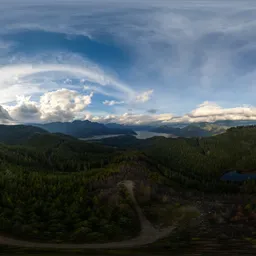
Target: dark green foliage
x,y
56,152
121,141
201,162
17,134
55,187
71,207
192,130
198,163
167,129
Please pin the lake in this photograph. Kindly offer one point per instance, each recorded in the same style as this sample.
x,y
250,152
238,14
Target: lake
x,y
236,176
99,137
142,135
146,135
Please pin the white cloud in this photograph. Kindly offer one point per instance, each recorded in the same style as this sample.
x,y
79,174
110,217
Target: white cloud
x,y
61,102
96,76
182,47
112,102
168,35
67,105
67,81
205,112
43,82
210,112
130,118
25,110
5,118
145,96
60,105
105,92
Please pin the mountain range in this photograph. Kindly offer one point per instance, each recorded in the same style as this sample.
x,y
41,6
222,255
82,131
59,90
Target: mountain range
x,y
83,129
179,130
192,130
87,129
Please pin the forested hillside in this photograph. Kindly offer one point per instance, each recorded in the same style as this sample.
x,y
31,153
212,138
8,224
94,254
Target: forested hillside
x,y
198,162
55,152
18,134
41,202
76,207
192,130
57,188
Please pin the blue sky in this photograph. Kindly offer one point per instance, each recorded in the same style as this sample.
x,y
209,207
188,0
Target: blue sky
x,y
127,62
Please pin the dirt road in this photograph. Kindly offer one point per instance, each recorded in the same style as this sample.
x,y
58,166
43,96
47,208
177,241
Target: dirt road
x,y
147,235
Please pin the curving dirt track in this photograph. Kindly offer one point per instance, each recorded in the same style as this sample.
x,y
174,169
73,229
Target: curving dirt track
x,y
147,235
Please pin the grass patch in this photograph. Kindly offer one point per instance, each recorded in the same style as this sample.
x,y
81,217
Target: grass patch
x,y
195,238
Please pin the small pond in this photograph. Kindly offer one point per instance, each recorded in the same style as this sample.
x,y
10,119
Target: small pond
x,y
236,176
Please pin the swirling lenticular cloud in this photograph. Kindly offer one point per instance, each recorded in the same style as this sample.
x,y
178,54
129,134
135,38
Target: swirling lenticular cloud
x,y
168,61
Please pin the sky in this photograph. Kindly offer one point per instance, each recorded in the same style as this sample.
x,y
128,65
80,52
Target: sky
x,y
127,61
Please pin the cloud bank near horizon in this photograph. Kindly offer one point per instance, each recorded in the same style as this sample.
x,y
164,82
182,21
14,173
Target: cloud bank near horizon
x,y
51,109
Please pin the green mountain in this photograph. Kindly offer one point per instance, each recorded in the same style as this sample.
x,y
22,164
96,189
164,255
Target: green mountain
x,y
18,134
82,129
202,159
192,130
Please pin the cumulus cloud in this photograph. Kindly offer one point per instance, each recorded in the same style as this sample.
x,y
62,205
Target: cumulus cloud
x,y
67,105
112,102
25,110
5,118
145,96
60,105
63,104
210,112
64,99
